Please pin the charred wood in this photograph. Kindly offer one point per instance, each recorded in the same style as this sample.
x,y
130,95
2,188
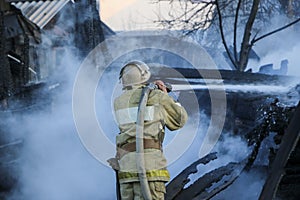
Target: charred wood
x,y
289,142
206,181
177,184
203,188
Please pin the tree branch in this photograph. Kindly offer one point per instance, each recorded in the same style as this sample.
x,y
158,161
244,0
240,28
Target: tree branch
x,y
275,31
235,29
246,38
222,35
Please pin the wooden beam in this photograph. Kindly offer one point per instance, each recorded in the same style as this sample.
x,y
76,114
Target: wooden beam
x,y
177,184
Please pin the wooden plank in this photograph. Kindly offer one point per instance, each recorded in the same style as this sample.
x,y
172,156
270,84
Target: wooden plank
x,y
177,184
289,141
226,182
197,189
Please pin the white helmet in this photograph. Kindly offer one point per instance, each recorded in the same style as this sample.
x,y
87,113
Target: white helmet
x,y
134,72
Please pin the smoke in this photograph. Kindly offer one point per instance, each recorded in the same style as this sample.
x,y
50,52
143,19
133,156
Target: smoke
x,y
53,162
279,46
272,49
249,184
229,149
247,187
55,165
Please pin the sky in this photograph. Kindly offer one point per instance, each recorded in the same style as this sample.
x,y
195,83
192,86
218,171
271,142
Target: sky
x,y
137,14
110,8
122,15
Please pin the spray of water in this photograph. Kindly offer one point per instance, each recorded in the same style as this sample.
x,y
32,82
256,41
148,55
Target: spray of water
x,y
267,89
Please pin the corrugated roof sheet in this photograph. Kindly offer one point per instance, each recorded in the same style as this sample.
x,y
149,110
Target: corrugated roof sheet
x,y
41,12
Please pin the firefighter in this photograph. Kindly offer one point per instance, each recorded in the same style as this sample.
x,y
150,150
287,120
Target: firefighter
x,y
161,110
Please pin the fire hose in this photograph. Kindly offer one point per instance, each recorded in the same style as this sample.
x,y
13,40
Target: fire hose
x,y
140,160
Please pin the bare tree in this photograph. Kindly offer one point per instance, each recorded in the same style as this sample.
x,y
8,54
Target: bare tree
x,y
249,17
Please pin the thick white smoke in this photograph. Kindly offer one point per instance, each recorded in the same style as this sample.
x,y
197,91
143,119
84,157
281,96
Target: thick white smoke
x,y
279,46
55,164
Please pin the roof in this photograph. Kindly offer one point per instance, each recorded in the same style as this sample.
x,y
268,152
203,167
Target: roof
x,y
40,12
107,31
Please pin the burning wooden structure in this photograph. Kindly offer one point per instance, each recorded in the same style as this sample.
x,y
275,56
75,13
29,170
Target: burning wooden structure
x,y
251,114
257,114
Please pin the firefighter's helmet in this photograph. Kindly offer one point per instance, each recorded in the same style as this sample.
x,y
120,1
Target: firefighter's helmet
x,y
134,72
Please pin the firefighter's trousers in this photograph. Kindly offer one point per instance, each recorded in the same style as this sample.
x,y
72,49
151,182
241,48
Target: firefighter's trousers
x,y
132,191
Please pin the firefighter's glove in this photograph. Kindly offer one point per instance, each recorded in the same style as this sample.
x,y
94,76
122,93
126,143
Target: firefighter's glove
x,y
161,85
113,162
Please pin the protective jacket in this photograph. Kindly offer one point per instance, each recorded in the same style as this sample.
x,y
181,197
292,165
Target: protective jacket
x,y
161,111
